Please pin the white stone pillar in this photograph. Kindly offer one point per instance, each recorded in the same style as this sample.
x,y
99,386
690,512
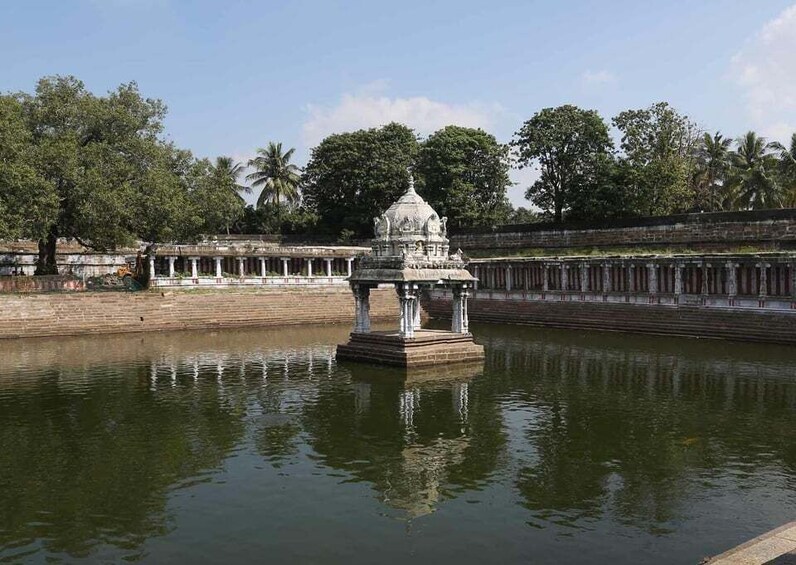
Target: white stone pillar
x,y
678,279
763,278
263,272
475,274
507,272
732,280
219,273
584,277
309,266
284,267
328,267
348,263
465,314
606,278
151,265
171,266
652,278
705,290
194,267
456,318
362,308
416,312
406,299
631,278
545,277
241,267
563,269
459,322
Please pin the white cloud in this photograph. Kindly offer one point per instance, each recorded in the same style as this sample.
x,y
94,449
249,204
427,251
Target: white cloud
x,y
597,78
765,69
371,107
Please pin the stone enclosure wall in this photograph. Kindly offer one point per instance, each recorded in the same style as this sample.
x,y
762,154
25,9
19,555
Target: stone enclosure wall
x,y
36,315
766,229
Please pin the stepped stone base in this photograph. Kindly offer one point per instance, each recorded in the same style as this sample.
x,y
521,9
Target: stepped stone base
x,y
427,347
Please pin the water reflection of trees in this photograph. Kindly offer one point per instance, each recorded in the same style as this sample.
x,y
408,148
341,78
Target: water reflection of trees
x,y
637,431
86,466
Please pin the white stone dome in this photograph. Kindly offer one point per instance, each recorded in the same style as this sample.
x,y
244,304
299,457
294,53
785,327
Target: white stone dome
x,y
410,228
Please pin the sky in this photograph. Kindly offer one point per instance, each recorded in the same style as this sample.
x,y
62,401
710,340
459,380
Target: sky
x,y
238,74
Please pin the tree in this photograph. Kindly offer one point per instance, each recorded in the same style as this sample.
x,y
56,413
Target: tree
x,y
754,173
96,152
464,173
567,143
353,177
227,172
28,203
277,176
658,145
712,165
787,170
214,197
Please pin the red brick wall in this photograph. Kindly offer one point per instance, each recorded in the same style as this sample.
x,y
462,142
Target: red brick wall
x,y
99,313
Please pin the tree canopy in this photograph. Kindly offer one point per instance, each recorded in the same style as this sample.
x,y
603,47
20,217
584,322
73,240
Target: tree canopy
x,y
351,177
568,145
463,173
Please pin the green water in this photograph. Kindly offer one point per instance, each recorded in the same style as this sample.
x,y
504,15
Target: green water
x,y
255,446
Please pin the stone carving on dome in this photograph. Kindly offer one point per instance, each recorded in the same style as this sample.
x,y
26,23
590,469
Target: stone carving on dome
x,y
381,226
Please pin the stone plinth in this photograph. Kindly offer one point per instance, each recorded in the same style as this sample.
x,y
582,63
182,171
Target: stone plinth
x,y
425,348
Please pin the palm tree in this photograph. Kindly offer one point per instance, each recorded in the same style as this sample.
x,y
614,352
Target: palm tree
x,y
754,173
228,171
787,166
713,161
273,172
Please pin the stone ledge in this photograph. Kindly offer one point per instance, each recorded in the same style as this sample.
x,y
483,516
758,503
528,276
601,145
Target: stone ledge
x,y
776,546
427,348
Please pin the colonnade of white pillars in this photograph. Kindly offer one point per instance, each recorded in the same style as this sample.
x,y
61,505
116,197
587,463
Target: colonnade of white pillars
x,y
313,270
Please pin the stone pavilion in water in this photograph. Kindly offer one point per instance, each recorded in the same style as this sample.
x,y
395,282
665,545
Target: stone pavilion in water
x,y
411,252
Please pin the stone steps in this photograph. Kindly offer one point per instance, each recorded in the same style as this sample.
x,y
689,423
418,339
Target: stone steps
x,y
98,313
762,326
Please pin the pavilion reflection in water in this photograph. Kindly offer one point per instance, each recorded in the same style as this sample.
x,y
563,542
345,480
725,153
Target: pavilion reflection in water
x,y
409,462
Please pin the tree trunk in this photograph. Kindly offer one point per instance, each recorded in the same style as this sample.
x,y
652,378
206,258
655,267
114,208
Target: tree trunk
x,y
46,263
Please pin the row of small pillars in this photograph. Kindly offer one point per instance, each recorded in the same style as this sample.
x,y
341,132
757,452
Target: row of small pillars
x,y
242,266
702,277
409,308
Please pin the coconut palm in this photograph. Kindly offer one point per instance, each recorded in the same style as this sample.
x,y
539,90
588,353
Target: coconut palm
x,y
754,173
787,166
228,171
713,161
273,172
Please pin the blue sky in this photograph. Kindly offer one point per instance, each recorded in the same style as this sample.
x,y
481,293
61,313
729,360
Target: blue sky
x,y
237,74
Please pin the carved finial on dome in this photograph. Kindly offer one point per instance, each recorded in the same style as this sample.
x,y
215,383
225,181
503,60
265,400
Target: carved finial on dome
x,y
411,183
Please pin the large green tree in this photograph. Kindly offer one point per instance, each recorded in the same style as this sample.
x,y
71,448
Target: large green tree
x,y
353,177
277,177
28,202
99,154
464,173
658,144
568,144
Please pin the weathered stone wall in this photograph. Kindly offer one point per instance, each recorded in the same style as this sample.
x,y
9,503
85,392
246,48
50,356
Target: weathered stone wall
x,y
36,315
40,284
772,326
768,229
